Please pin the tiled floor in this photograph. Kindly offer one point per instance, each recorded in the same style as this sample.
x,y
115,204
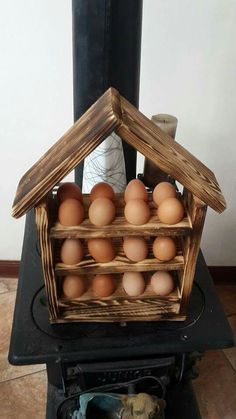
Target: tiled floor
x,y
23,389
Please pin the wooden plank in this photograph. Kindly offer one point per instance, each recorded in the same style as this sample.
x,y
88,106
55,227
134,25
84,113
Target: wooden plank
x,y
119,264
120,228
169,156
122,310
68,317
81,139
113,112
41,218
197,211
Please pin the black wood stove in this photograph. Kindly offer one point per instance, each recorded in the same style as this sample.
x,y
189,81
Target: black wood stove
x,y
153,357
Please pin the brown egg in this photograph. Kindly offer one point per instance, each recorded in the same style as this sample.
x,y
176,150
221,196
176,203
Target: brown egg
x,y
162,283
163,191
102,190
170,211
101,249
135,248
71,212
164,248
137,212
69,190
73,286
72,251
133,283
135,190
103,285
102,212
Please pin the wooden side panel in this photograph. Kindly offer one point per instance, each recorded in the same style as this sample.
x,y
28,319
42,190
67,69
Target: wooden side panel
x,y
47,259
169,156
81,139
197,211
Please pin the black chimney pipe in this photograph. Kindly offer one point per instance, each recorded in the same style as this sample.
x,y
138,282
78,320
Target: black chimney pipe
x,y
106,52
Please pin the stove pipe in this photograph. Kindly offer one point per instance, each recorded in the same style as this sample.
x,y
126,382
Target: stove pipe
x,y
106,52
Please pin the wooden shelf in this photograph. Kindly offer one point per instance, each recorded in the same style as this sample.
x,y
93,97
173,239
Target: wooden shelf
x,y
120,227
119,264
122,311
118,306
119,293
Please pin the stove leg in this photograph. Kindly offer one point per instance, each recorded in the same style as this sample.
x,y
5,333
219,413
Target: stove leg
x,y
181,402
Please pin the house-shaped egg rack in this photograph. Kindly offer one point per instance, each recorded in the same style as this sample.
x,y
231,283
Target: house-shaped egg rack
x,y
37,189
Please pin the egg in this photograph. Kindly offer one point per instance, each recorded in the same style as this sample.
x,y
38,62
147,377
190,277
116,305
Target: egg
x,y
135,190
102,212
102,190
163,191
71,212
135,248
164,248
133,283
162,283
103,285
69,190
73,286
137,212
101,249
170,211
72,251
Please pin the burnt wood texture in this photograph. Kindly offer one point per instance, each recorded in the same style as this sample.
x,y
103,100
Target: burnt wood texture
x,y
119,227
43,222
114,113
119,306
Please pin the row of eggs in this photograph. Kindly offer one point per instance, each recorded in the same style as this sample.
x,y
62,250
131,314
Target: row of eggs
x,y
104,285
103,250
102,209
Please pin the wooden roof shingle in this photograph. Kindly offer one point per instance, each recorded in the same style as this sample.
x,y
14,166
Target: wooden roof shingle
x,y
111,112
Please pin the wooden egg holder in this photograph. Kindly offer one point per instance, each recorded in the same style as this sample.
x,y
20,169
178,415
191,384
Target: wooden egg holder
x,y
113,113
119,306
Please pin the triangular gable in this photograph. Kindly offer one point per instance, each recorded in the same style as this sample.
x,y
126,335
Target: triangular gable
x,y
114,113
170,156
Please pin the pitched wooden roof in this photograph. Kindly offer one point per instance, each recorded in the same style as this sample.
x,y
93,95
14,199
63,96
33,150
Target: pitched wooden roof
x,y
114,113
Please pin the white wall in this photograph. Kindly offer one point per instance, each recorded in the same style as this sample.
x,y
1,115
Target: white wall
x,y
35,98
188,70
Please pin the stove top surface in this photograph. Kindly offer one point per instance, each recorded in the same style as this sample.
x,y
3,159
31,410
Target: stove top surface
x,y
34,340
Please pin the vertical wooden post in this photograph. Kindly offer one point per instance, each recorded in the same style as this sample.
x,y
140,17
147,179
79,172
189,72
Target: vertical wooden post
x,y
197,212
42,221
